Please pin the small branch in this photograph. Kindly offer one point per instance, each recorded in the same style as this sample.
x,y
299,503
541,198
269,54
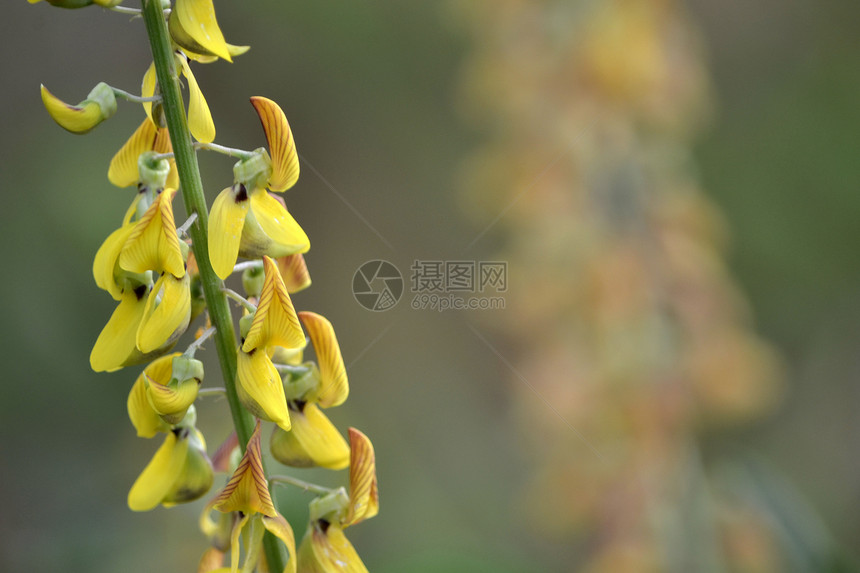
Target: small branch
x,y
258,264
307,486
192,348
231,151
240,299
184,228
204,392
131,97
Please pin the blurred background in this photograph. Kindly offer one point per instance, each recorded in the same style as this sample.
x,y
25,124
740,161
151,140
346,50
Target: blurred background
x,y
671,384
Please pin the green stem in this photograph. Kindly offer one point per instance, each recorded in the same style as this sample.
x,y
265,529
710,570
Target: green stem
x,y
195,202
307,486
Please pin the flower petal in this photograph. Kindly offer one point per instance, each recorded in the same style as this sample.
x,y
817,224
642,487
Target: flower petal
x,y
162,145
199,117
154,244
282,146
147,89
123,171
159,476
74,118
105,264
167,313
325,549
196,476
197,18
283,235
334,387
294,271
363,493
260,388
226,221
146,421
312,441
248,491
275,322
115,346
280,528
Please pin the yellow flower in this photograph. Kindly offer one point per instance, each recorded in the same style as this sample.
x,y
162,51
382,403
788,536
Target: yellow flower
x,y
324,548
149,318
123,170
245,219
248,492
163,393
99,105
179,472
312,441
194,28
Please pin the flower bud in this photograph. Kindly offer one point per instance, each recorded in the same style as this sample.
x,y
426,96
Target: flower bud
x,y
99,105
252,281
153,171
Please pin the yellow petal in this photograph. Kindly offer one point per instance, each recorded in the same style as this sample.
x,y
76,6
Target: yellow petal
x,y
162,145
260,388
363,493
226,221
280,528
159,476
197,18
275,322
146,421
147,89
77,119
282,235
295,273
123,171
312,441
115,346
199,118
282,146
171,404
167,313
248,491
154,244
105,264
334,387
196,476
325,549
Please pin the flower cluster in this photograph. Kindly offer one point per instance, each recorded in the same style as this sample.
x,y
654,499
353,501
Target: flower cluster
x,y
163,277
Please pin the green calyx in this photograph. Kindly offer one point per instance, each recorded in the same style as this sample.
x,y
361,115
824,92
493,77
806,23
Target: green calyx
x,y
254,172
153,170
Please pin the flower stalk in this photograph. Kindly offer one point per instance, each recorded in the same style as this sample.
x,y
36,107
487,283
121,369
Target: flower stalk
x,y
195,203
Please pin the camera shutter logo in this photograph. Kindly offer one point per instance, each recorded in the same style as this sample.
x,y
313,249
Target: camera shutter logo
x,y
377,285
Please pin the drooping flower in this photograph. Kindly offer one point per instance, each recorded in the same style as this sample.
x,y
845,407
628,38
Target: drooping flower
x,y
275,324
247,493
324,548
99,105
193,27
247,220
313,439
163,393
179,472
150,317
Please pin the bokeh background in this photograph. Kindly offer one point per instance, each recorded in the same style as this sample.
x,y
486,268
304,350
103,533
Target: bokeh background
x,y
377,96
